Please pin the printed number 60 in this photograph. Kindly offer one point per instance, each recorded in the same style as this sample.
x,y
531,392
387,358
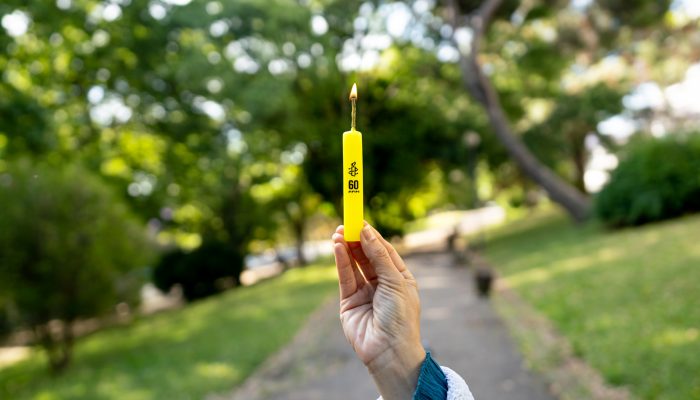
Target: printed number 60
x,y
353,184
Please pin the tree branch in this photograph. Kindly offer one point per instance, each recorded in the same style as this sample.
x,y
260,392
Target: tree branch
x,y
480,87
479,21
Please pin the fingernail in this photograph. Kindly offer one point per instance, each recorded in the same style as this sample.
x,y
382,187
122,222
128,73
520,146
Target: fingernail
x,y
367,233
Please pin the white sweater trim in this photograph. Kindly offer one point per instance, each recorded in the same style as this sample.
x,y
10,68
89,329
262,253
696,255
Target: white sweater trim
x,y
457,388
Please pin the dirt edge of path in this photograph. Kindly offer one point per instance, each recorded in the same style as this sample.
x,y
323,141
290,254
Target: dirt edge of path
x,y
549,353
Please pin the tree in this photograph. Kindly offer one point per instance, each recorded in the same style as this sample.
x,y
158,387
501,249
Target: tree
x,y
68,250
481,89
514,52
167,155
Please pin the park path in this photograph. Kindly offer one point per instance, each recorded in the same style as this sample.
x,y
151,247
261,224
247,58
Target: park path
x,y
462,331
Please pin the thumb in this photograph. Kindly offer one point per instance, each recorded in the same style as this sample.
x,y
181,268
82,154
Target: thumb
x,y
378,255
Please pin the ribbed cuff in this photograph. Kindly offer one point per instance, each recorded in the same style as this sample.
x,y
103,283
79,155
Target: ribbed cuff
x,y
432,382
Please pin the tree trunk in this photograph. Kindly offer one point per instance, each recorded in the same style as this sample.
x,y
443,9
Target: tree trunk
x,y
480,88
58,345
579,158
575,202
299,233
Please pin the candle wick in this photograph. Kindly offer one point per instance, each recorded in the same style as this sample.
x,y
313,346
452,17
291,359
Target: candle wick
x,y
353,114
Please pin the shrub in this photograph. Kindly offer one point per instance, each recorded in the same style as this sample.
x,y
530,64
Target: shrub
x,y
67,247
201,273
658,179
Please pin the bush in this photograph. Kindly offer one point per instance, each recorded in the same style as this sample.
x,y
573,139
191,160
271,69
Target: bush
x,y
67,247
658,179
206,271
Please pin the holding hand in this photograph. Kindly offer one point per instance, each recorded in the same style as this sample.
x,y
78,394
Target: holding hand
x,y
380,311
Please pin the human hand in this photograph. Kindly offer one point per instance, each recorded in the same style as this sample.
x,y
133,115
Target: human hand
x,y
380,311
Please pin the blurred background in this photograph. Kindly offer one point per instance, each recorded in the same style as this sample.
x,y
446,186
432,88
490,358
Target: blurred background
x,y
170,176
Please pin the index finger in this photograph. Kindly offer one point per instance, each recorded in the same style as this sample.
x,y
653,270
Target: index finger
x,y
378,255
362,261
395,257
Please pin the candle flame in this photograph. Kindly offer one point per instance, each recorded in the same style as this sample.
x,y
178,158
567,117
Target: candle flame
x,y
353,100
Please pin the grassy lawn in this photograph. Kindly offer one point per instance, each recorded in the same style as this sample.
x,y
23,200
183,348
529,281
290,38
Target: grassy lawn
x,y
209,346
628,301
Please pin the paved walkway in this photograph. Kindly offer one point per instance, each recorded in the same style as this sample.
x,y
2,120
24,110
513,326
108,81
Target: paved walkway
x,y
461,330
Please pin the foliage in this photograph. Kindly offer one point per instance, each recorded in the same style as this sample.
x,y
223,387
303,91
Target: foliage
x,y
626,300
207,347
534,53
636,13
188,160
170,65
200,273
409,124
172,159
68,250
560,140
657,179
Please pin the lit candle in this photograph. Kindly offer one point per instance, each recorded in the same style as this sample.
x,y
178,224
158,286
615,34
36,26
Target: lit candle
x,y
352,178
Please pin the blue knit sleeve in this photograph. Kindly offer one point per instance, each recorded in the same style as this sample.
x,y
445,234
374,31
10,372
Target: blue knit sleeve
x,y
432,382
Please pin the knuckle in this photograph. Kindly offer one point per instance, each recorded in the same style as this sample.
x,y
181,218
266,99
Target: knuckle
x,y
380,252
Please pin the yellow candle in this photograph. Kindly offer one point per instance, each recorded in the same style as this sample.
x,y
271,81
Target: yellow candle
x,y
352,178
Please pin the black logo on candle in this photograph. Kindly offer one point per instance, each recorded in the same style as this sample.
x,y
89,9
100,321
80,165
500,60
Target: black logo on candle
x,y
353,171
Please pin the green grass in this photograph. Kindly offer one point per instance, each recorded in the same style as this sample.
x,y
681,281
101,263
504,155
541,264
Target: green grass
x,y
209,346
628,301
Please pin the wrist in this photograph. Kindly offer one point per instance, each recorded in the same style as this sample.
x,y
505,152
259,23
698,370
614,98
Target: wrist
x,y
396,370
